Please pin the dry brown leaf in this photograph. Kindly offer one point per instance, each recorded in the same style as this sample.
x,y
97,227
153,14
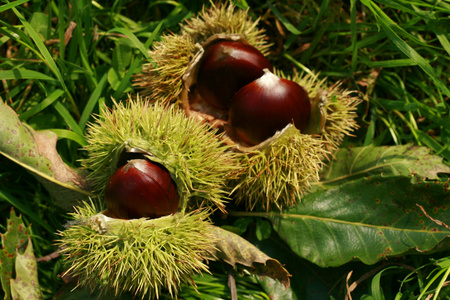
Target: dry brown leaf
x,y
234,249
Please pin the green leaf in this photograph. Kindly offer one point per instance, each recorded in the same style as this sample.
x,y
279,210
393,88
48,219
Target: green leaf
x,y
39,21
308,281
405,160
25,285
276,290
366,219
121,57
263,229
114,78
15,236
36,151
242,224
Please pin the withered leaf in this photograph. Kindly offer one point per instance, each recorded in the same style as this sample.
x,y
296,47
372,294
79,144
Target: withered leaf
x,y
36,151
234,249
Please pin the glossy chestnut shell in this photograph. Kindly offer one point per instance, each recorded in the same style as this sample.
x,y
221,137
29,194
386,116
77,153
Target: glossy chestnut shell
x,y
267,105
141,188
225,68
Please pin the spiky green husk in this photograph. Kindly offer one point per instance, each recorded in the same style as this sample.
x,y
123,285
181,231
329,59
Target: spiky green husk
x,y
339,107
193,153
226,19
341,115
260,183
161,80
278,173
140,256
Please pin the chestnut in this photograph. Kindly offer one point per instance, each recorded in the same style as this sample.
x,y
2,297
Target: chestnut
x,y
141,188
267,105
226,67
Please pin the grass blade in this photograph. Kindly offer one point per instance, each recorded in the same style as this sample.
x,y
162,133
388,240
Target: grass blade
x,y
11,5
93,99
393,63
136,62
25,210
65,114
17,35
42,105
82,37
319,35
283,20
67,134
387,25
138,44
377,289
24,74
353,30
48,60
433,144
443,39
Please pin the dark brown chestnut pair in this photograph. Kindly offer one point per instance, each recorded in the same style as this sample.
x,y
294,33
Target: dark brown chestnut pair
x,y
236,77
141,188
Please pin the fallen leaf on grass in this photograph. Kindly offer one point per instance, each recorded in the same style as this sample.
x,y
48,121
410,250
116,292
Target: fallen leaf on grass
x,y
36,151
233,249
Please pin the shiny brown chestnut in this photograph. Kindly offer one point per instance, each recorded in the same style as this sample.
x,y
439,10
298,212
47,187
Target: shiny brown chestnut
x,y
267,105
141,188
226,67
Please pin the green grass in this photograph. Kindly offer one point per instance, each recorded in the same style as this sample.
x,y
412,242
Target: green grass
x,y
395,54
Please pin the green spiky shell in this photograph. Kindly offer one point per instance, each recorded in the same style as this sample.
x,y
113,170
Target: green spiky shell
x,y
161,80
279,170
140,256
226,19
284,167
197,160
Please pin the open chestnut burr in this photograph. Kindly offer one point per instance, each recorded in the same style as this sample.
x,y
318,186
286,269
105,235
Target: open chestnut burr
x,y
230,84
